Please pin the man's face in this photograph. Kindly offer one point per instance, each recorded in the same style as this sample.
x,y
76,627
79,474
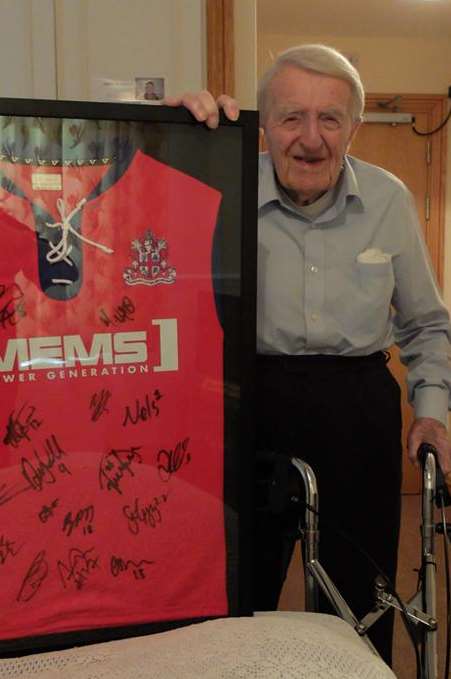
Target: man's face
x,y
308,129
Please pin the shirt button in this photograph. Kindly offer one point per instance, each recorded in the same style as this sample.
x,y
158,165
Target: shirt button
x,y
314,317
313,269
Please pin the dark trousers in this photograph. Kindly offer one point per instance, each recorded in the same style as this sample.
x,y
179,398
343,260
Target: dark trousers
x,y
342,416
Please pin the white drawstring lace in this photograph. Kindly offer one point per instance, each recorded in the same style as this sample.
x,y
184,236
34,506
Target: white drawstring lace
x,y
62,249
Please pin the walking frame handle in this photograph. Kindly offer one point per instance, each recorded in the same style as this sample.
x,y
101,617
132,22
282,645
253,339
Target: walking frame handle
x,y
442,489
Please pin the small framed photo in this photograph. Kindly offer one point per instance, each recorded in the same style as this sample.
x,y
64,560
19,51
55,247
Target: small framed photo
x,y
150,89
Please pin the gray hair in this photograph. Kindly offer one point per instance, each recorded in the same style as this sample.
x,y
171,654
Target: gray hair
x,y
319,59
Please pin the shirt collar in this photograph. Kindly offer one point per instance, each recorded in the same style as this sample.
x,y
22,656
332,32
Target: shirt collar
x,y
269,191
349,186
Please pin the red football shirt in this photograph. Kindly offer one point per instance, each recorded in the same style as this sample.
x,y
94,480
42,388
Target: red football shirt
x,y
111,401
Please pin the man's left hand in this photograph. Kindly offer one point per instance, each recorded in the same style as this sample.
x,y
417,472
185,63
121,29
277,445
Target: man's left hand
x,y
429,430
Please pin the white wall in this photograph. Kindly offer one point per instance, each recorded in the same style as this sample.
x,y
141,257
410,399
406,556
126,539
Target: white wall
x,y
27,49
120,40
58,48
245,38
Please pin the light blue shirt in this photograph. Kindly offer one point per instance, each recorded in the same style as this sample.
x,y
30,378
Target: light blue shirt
x,y
353,279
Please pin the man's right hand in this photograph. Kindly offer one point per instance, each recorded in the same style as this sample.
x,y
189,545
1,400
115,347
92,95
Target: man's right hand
x,y
205,108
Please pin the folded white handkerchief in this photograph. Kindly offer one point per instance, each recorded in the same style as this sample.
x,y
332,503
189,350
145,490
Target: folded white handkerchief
x,y
373,256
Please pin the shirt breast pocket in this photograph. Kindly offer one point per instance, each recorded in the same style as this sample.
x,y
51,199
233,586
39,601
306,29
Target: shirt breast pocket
x,y
376,282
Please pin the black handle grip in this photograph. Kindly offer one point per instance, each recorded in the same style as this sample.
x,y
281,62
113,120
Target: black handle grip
x,y
441,489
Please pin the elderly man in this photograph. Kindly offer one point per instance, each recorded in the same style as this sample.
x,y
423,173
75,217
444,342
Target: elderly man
x,y
342,273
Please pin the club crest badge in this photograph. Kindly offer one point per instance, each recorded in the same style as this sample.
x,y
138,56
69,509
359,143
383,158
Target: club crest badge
x,y
149,264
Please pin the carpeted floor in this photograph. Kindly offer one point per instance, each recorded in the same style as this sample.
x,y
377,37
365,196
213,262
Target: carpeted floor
x,y
404,664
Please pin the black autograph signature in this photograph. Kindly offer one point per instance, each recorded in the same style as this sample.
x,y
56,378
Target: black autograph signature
x,y
118,566
20,425
148,515
48,511
7,549
9,493
115,464
123,312
99,403
41,469
143,411
84,518
80,565
34,578
170,461
13,308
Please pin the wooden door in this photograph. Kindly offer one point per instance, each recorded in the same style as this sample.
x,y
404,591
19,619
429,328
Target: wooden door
x,y
420,162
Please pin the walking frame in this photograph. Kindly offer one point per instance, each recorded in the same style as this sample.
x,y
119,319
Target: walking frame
x,y
420,610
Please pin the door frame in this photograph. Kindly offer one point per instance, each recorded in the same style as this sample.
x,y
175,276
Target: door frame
x,y
220,47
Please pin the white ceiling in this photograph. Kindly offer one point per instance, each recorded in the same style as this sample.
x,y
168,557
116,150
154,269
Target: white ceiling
x,y
376,18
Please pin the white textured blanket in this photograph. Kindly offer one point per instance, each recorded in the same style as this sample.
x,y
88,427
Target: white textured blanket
x,y
279,645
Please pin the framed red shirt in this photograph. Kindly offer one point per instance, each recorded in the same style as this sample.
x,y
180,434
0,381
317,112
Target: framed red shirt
x,y
127,328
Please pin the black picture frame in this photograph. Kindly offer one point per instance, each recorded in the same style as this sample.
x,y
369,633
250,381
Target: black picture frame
x,y
225,160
